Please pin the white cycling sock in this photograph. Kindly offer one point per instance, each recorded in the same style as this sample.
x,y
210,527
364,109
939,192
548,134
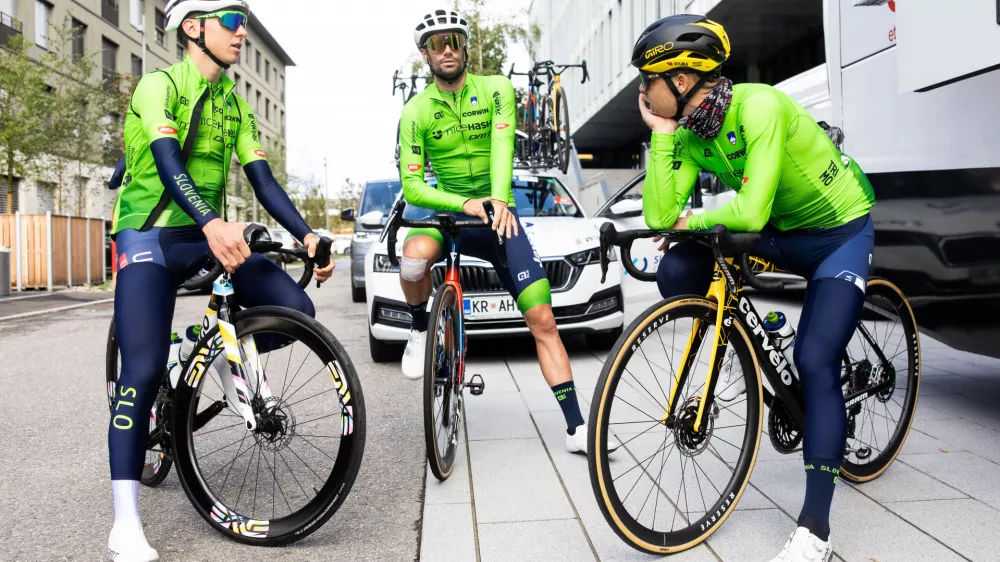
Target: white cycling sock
x,y
126,494
127,541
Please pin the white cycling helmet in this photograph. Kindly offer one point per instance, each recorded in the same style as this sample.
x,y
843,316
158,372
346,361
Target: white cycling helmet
x,y
440,20
178,10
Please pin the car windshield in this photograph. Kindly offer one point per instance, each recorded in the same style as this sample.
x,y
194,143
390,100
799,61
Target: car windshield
x,y
534,196
379,196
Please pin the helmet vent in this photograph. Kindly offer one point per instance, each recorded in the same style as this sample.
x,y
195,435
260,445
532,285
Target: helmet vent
x,y
689,38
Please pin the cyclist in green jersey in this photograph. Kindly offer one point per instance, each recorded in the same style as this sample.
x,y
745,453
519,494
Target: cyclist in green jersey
x,y
809,201
170,213
464,124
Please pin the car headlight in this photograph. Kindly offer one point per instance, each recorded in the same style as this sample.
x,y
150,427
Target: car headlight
x,y
360,236
590,256
383,265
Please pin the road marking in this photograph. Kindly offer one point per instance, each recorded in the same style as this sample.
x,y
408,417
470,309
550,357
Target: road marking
x,y
58,309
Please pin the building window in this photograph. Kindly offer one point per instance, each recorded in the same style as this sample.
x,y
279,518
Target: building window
x,y
14,207
236,79
109,60
267,109
136,9
282,122
9,26
44,196
267,71
160,24
79,35
109,11
281,88
245,52
136,68
181,46
258,62
248,92
257,105
43,13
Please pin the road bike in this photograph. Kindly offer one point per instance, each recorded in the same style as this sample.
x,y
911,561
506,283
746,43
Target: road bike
x,y
274,424
444,362
694,449
546,116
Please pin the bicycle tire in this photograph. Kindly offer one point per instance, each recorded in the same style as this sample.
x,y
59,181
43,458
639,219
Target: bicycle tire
x,y
334,491
624,524
445,301
530,126
562,124
857,472
155,472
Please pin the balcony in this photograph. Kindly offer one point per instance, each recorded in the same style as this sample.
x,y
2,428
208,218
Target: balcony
x,y
109,11
9,29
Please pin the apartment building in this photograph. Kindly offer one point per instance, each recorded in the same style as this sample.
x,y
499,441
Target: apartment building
x,y
130,37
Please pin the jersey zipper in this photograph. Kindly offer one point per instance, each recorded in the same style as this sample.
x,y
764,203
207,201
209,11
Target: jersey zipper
x,y
458,115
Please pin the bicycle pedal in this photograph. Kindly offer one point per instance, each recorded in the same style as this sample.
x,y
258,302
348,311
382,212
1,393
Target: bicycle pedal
x,y
476,385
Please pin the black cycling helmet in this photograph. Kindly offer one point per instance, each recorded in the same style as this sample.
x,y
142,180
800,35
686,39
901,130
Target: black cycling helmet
x,y
681,43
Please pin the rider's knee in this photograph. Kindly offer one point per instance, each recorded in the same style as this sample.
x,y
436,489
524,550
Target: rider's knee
x,y
541,322
412,269
684,269
418,253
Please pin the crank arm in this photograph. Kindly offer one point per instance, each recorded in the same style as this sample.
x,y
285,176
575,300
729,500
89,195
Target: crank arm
x,y
208,414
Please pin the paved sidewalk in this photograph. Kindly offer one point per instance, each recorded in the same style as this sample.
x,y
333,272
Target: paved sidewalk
x,y
516,494
31,302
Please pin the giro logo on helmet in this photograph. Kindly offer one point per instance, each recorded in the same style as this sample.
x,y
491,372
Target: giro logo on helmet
x,y
659,49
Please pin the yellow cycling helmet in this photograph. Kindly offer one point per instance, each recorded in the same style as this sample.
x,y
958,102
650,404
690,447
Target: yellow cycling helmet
x,y
683,42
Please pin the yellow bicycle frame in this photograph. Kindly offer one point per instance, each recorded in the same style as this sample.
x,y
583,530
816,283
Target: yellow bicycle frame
x,y
719,292
555,98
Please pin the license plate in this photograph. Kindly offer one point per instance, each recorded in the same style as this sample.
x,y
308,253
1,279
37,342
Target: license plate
x,y
491,308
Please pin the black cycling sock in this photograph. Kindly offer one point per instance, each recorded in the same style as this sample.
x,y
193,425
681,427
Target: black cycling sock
x,y
821,479
566,395
419,313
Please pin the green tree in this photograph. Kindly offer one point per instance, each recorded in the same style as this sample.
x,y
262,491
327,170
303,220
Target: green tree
x,y
25,104
491,36
86,118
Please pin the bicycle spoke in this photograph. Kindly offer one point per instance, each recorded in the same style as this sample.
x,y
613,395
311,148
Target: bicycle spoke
x,y
331,389
292,451
223,447
317,448
240,423
245,474
321,369
638,410
277,484
233,463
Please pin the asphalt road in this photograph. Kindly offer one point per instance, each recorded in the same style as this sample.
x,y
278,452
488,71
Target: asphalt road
x,y
55,491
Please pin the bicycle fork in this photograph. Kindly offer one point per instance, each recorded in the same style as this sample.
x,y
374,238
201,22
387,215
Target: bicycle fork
x,y
697,336
245,370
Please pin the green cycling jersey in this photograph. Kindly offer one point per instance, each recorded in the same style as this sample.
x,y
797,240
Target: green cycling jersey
x,y
161,107
467,135
784,167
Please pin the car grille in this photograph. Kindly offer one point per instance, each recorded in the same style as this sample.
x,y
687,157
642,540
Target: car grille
x,y
484,279
971,250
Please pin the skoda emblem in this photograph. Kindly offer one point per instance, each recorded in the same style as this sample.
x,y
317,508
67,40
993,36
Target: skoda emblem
x,y
475,101
732,138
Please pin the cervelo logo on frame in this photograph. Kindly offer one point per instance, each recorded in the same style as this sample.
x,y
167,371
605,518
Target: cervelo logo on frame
x,y
414,167
166,130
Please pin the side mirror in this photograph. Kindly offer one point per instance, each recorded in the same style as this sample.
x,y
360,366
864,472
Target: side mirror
x,y
371,220
626,207
347,215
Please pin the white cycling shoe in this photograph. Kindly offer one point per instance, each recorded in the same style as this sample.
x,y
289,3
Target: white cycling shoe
x,y
413,356
127,543
804,546
731,385
577,443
